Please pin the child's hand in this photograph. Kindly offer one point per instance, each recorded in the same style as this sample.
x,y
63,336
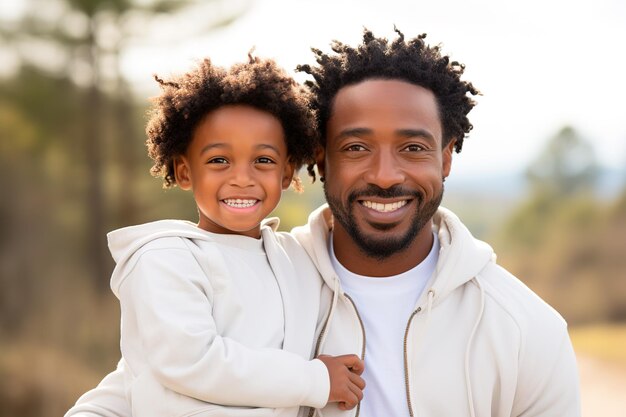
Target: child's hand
x,y
346,385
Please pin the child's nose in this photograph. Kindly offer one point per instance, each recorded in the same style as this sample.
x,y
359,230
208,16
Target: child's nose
x,y
242,176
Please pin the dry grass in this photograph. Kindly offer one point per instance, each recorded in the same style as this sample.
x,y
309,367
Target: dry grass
x,y
40,381
606,342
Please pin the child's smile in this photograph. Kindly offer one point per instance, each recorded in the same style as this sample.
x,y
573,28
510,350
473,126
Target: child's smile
x,y
240,203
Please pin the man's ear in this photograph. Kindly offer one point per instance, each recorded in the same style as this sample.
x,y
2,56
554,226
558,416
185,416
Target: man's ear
x,y
447,158
182,172
320,156
288,175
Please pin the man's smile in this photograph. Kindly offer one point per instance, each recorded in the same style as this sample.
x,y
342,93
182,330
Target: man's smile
x,y
383,207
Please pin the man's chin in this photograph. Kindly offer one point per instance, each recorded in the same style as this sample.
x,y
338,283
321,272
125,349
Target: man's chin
x,y
380,243
382,227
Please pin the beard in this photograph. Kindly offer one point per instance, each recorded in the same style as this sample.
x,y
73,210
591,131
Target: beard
x,y
383,247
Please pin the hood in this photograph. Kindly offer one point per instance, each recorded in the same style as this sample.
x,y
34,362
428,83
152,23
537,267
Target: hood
x,y
461,256
125,242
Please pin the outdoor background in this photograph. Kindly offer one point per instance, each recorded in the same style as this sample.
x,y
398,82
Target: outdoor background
x,y
541,177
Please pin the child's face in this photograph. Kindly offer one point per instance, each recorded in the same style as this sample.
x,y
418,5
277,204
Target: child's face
x,y
237,167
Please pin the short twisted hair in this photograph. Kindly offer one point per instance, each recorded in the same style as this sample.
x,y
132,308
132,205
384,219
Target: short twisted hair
x,y
412,61
186,99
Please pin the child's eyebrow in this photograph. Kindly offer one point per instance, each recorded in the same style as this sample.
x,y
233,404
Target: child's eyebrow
x,y
213,145
227,145
267,146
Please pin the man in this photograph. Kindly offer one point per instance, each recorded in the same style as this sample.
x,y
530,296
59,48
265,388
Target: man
x,y
443,330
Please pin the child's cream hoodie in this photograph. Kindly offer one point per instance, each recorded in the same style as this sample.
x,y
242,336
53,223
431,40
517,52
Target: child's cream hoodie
x,y
207,329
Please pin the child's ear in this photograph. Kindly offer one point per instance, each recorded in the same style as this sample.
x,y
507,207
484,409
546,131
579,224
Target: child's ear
x,y
288,175
182,172
320,156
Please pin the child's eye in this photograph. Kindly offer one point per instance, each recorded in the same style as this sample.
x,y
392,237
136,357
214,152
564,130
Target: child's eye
x,y
217,160
264,160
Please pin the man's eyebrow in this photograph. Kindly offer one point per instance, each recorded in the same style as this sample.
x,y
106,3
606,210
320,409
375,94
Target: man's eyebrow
x,y
408,133
356,131
411,133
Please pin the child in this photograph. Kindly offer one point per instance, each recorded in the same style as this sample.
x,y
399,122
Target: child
x,y
219,318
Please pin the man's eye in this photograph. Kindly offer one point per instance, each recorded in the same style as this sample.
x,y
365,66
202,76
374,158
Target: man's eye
x,y
414,148
217,160
265,160
356,148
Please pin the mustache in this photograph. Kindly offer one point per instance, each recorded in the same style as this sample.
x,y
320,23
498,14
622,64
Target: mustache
x,y
392,192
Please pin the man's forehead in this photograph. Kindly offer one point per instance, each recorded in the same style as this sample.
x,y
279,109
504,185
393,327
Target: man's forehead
x,y
377,102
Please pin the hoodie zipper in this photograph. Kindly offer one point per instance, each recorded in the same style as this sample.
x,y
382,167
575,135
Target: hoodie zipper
x,y
319,339
358,406
406,361
360,323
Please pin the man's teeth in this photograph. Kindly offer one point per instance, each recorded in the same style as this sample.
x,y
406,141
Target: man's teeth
x,y
384,207
239,203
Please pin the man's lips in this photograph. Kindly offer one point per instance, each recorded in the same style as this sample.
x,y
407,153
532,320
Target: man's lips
x,y
384,207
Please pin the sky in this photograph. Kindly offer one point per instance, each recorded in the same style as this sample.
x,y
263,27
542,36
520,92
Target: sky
x,y
540,64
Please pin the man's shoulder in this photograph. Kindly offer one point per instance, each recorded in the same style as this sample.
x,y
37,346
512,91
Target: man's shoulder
x,y
510,296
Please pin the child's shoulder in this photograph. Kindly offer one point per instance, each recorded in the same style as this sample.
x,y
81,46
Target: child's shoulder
x,y
162,234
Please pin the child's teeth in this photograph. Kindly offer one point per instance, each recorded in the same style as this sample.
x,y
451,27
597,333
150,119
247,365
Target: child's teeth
x,y
239,203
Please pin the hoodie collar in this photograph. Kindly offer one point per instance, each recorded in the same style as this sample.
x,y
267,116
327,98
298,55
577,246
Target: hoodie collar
x,y
461,256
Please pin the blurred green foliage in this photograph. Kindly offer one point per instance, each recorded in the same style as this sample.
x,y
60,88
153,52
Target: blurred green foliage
x,y
563,241
74,166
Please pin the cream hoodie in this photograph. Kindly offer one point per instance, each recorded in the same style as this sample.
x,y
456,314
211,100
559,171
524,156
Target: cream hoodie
x,y
176,294
479,342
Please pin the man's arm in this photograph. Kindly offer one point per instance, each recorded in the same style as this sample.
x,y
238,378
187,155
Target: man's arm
x,y
549,382
106,400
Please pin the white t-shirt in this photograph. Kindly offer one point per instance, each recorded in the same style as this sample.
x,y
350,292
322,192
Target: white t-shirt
x,y
385,305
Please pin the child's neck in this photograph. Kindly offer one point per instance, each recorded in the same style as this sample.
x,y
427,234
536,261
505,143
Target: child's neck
x,y
210,226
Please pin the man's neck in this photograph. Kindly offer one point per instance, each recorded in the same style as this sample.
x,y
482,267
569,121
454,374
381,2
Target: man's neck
x,y
350,255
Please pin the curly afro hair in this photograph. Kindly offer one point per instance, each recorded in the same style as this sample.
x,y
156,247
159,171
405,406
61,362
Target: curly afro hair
x,y
413,61
258,83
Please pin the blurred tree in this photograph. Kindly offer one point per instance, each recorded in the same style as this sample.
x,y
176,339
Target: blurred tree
x,y
71,134
89,37
567,165
565,168
35,162
565,243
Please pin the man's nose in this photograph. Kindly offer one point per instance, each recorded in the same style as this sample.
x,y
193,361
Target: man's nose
x,y
385,171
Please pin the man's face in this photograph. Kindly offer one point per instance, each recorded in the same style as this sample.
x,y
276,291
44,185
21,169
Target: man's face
x,y
384,165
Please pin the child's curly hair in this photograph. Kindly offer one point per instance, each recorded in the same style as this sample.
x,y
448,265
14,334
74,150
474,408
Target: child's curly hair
x,y
259,83
413,61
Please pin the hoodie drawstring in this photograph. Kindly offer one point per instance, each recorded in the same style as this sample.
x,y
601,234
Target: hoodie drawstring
x,y
429,306
468,382
424,327
333,307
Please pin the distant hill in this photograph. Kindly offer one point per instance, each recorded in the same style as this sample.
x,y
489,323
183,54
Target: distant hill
x,y
483,201
610,182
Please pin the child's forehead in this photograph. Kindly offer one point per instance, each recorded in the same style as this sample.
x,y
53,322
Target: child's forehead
x,y
240,117
239,127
